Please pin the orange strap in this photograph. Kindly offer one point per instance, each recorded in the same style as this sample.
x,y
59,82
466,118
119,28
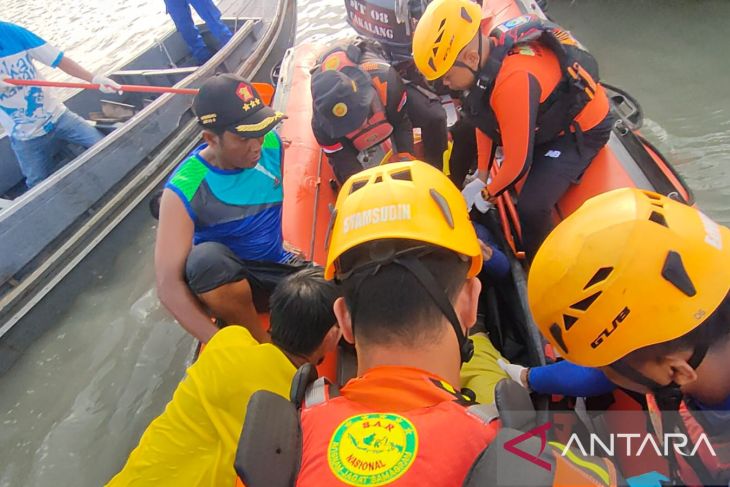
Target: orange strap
x,y
509,220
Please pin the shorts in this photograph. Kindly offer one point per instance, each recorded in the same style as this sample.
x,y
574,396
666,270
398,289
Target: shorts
x,y
212,264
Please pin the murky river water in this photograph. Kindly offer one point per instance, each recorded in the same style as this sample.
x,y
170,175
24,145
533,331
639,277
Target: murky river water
x,y
76,403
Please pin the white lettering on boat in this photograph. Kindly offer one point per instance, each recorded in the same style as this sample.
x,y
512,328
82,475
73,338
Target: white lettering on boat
x,y
372,216
376,29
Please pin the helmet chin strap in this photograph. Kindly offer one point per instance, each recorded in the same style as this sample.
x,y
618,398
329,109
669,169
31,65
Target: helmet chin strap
x,y
462,64
668,397
416,267
409,259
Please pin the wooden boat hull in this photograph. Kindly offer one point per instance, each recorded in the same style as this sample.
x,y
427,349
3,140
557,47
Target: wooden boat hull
x,y
49,229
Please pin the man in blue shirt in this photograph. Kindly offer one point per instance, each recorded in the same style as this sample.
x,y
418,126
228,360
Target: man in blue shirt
x,y
219,247
34,119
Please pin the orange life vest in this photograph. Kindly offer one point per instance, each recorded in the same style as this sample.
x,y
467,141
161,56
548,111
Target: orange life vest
x,y
716,466
345,442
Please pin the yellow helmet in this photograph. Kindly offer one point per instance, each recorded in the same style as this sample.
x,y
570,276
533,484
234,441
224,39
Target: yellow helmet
x,y
629,269
445,28
407,200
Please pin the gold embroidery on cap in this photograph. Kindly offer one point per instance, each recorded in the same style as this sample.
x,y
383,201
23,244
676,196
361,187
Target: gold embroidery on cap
x,y
208,119
253,103
243,128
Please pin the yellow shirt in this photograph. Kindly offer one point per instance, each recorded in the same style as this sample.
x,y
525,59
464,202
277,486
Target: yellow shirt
x,y
481,374
193,442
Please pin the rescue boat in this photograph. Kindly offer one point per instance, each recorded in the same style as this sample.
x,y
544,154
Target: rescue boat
x,y
628,160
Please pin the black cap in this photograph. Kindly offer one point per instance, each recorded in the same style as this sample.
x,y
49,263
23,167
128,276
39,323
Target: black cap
x,y
229,102
341,99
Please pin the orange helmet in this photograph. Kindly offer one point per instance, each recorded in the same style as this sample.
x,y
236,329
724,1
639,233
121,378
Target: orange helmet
x,y
407,200
629,269
445,28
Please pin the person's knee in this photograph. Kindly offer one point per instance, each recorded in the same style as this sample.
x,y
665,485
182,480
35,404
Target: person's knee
x,y
210,265
231,292
179,12
35,158
344,171
73,128
531,209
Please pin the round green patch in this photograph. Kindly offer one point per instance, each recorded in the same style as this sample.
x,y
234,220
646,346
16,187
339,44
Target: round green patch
x,y
372,449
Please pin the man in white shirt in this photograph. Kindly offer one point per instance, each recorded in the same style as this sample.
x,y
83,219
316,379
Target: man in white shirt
x,y
34,119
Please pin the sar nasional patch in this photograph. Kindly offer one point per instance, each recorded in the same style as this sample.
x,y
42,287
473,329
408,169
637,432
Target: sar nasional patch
x,y
372,449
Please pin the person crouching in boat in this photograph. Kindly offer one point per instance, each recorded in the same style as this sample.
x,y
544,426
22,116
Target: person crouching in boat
x,y
360,112
405,255
532,89
636,284
219,248
193,442
426,101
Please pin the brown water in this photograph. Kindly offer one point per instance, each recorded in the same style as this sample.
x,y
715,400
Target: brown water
x,y
672,56
76,403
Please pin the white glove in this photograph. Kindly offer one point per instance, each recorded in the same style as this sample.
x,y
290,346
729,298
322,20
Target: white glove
x,y
472,193
106,85
514,371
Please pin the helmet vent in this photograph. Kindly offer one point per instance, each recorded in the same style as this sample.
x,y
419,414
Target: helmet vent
x,y
357,185
465,15
443,206
440,36
569,321
404,175
651,196
557,334
674,272
378,179
600,276
657,217
586,303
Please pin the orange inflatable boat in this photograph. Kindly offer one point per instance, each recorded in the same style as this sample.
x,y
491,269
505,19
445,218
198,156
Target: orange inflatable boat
x,y
627,160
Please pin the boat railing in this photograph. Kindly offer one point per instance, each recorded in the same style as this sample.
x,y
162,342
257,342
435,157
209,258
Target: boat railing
x,y
153,77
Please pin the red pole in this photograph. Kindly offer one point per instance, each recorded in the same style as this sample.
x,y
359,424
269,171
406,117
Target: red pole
x,y
92,86
265,89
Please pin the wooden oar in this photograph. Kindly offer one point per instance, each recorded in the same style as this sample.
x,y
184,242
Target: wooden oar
x,y
266,91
